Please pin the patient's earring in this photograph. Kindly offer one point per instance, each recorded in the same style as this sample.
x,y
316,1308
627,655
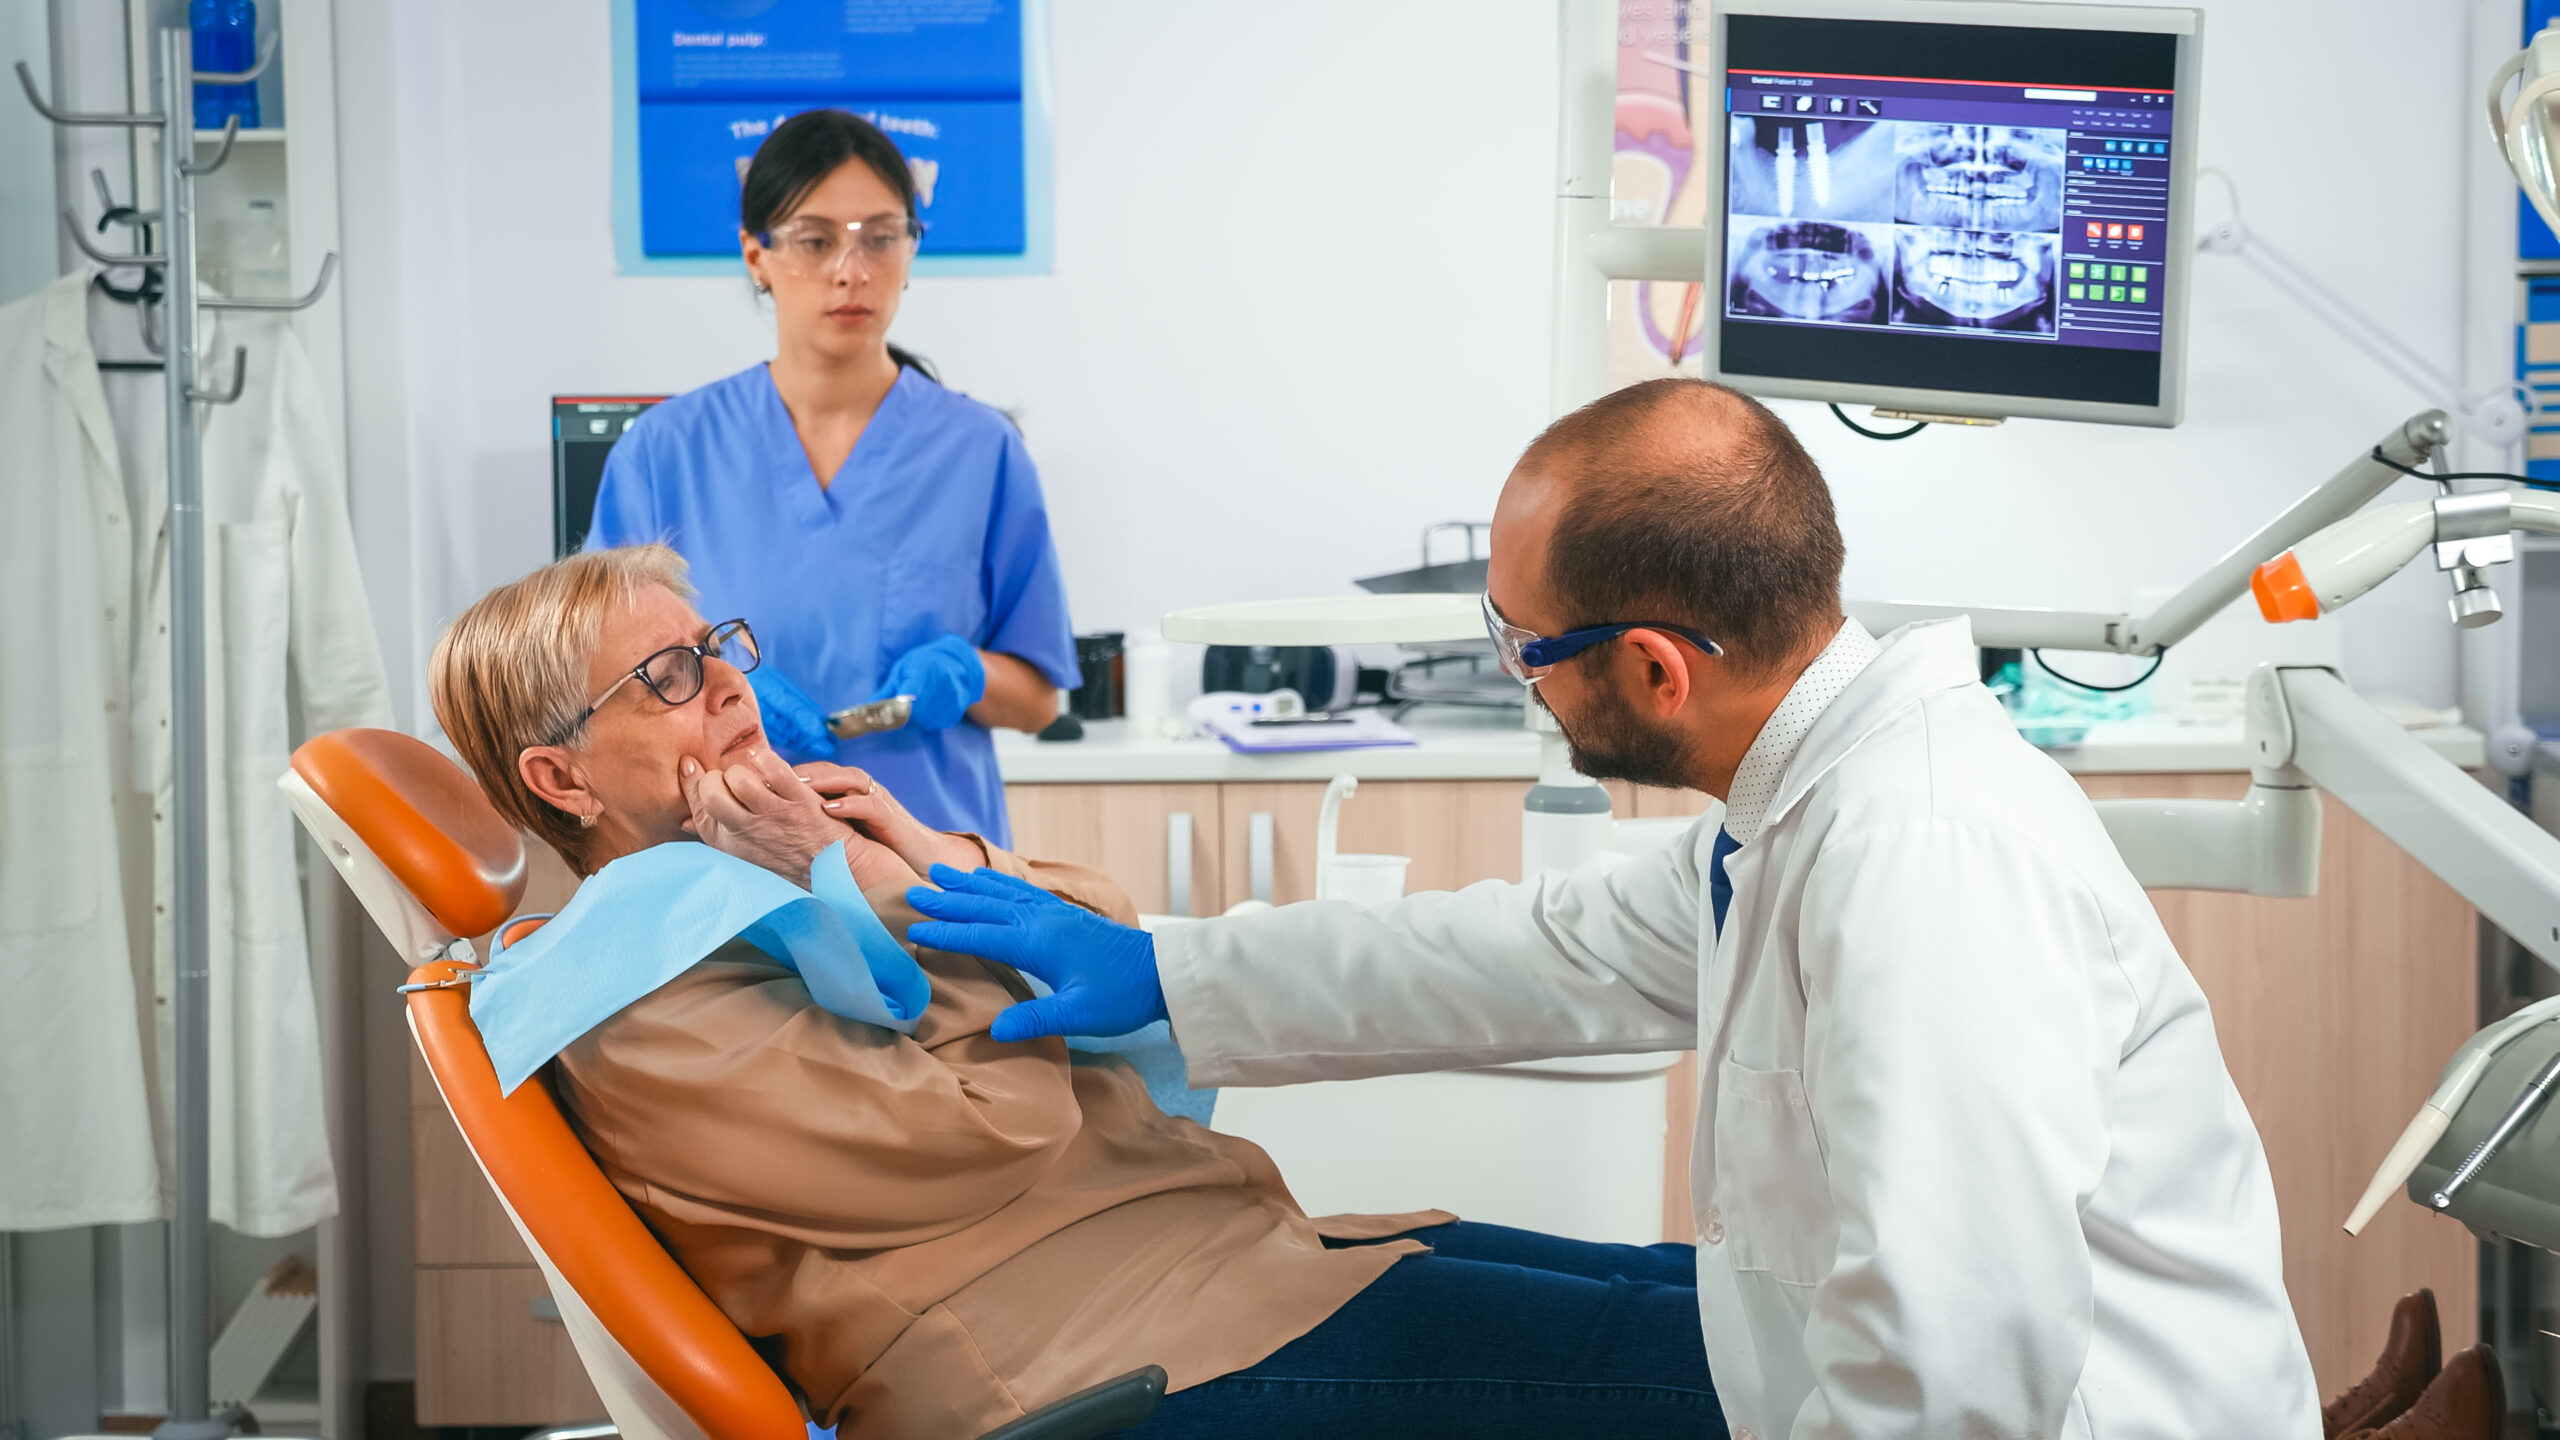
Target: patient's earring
x,y
588,821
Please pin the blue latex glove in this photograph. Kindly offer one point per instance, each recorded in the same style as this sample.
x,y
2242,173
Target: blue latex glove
x,y
793,723
946,677
1102,973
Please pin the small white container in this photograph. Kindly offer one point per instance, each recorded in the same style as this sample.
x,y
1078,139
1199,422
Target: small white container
x,y
1147,688
1362,879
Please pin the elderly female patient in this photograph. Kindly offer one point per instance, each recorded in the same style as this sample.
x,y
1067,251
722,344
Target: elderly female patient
x,y
929,1231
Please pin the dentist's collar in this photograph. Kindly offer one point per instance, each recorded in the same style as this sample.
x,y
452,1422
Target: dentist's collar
x,y
1755,783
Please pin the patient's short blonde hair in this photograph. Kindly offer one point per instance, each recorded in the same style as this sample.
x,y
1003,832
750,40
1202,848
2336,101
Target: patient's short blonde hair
x,y
511,674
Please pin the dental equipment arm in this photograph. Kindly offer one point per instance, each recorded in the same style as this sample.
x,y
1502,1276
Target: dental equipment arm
x,y
2347,559
2493,857
2335,499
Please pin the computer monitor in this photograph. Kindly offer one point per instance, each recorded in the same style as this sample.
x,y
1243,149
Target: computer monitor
x,y
1974,208
583,431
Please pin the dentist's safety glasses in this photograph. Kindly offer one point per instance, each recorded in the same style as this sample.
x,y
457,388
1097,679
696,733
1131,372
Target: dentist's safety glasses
x,y
1527,656
1508,641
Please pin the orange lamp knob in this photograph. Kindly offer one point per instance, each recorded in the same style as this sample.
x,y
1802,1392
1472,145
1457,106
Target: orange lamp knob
x,y
2283,594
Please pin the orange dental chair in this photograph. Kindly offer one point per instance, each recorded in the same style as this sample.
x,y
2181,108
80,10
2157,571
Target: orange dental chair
x,y
434,864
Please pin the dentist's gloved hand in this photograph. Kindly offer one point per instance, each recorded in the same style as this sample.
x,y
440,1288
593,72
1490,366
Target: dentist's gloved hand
x,y
1102,973
946,677
793,723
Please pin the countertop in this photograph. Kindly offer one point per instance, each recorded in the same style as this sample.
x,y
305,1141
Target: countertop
x,y
1461,744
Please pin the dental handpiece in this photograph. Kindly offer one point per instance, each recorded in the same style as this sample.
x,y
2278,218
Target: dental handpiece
x,y
871,718
2536,1090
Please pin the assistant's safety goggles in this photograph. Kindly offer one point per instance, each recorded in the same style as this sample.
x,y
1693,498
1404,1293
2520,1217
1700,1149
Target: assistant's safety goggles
x,y
810,245
674,674
1527,656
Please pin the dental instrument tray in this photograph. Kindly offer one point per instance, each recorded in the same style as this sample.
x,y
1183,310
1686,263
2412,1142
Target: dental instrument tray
x,y
872,718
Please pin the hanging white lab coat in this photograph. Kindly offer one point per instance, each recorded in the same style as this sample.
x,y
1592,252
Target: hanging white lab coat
x,y
86,882
1968,1161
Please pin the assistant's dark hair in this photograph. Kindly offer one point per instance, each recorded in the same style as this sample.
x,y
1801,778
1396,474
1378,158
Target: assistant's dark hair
x,y
800,154
1688,502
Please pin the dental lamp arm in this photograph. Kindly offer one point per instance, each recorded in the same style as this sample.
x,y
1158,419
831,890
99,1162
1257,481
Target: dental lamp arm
x,y
2335,499
2342,562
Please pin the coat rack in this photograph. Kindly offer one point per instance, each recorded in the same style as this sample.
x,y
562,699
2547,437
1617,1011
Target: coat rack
x,y
175,78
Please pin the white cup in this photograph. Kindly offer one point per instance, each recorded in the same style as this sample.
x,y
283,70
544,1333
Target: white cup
x,y
1362,879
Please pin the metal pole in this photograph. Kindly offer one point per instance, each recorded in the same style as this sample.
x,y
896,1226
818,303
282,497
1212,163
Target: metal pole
x,y
189,1323
1586,105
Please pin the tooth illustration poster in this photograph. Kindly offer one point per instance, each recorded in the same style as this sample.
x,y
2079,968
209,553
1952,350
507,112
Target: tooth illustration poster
x,y
707,80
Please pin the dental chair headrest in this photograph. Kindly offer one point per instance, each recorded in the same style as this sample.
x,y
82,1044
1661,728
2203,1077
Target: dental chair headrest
x,y
411,832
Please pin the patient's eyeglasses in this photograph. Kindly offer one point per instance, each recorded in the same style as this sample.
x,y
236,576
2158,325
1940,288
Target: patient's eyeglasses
x,y
674,674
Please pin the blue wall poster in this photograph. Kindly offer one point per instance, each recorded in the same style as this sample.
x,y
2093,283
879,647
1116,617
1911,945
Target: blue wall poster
x,y
958,84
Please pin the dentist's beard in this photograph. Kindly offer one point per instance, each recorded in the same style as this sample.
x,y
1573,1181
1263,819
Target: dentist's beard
x,y
1621,743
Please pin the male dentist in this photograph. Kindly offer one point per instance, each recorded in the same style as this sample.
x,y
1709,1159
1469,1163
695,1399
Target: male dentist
x,y
1968,1161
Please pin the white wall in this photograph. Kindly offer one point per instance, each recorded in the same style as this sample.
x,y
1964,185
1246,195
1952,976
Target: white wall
x,y
26,157
1300,300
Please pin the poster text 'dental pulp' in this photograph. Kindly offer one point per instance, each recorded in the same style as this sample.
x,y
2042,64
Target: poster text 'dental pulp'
x,y
943,78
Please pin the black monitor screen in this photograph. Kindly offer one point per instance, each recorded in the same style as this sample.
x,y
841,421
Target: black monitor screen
x,y
583,430
1947,207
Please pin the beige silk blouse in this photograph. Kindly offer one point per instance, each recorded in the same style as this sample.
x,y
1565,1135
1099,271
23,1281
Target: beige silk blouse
x,y
935,1234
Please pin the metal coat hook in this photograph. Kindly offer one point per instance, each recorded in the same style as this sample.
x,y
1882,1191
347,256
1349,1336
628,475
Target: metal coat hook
x,y
230,136
115,214
27,82
309,298
80,238
266,54
239,379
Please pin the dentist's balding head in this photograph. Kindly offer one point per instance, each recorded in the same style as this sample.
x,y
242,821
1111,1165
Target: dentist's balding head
x,y
1677,501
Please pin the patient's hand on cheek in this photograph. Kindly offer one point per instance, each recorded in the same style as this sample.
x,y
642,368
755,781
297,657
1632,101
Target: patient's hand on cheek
x,y
760,812
853,796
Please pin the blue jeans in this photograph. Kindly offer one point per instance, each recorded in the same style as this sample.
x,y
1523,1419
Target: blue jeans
x,y
1497,1332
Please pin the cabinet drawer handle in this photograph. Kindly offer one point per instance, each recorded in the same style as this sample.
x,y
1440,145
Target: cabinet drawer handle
x,y
546,1309
1177,863
1258,854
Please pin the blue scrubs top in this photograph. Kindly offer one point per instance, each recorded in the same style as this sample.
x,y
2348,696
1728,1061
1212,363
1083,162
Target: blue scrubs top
x,y
934,526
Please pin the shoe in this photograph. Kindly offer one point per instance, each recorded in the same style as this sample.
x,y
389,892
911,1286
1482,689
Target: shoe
x,y
2468,1401
2410,1358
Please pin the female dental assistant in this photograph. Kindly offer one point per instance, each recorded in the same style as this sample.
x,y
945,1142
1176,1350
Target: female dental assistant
x,y
887,536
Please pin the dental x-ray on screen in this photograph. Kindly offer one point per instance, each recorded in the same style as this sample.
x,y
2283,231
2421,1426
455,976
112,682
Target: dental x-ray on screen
x,y
1940,213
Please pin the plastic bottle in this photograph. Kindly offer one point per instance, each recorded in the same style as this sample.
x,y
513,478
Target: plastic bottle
x,y
225,39
260,263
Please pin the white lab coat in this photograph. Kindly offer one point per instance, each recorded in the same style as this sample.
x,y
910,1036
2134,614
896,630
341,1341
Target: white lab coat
x,y
85,832
1967,1162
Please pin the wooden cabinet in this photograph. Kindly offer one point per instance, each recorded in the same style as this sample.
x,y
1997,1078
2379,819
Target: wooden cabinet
x,y
1456,832
491,1348
1158,841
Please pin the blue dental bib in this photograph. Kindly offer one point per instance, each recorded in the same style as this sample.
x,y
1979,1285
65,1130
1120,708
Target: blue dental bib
x,y
648,917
